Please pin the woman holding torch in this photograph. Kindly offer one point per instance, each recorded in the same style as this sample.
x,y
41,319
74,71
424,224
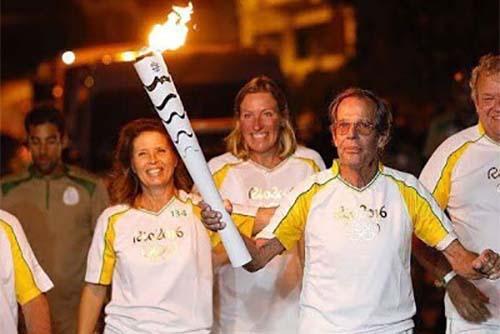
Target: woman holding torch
x,y
150,245
263,163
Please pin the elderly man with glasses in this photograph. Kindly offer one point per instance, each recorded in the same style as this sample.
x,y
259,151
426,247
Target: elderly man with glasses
x,y
358,218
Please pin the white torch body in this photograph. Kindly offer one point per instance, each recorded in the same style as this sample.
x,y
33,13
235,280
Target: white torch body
x,y
160,87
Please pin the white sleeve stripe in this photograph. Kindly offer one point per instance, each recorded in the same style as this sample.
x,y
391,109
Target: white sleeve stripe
x,y
443,244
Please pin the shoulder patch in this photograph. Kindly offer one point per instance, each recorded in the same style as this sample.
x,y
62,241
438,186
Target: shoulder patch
x,y
13,181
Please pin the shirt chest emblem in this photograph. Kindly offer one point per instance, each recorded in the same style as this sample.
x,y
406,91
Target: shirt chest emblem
x,y
493,175
158,244
360,223
259,194
71,196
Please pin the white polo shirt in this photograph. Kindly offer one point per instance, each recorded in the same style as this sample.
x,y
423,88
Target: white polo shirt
x,y
21,277
159,266
463,175
358,248
266,301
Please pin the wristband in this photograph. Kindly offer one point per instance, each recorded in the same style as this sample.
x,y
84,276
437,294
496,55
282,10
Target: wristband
x,y
448,277
443,282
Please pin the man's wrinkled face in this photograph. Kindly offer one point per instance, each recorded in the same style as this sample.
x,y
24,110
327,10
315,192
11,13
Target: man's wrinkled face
x,y
354,132
45,145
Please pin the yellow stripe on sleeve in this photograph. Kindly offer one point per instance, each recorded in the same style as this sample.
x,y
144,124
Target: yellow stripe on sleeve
x,y
427,224
311,163
244,223
441,191
221,174
24,281
109,255
291,226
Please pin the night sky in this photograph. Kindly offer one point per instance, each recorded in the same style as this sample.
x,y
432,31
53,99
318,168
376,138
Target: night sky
x,y
420,39
33,31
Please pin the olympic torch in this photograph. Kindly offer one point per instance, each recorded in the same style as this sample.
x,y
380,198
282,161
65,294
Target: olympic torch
x,y
159,85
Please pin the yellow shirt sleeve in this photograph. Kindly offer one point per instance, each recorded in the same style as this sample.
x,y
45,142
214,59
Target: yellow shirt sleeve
x,y
430,224
24,281
291,219
441,191
109,255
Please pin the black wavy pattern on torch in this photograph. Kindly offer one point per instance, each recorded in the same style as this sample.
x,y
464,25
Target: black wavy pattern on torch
x,y
165,101
182,132
156,81
175,113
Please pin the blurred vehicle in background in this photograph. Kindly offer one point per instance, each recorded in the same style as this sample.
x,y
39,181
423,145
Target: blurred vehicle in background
x,y
99,91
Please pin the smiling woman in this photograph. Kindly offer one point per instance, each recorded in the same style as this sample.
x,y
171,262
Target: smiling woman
x,y
262,164
142,145
153,161
150,246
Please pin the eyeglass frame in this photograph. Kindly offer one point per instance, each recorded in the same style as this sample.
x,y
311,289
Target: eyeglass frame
x,y
364,128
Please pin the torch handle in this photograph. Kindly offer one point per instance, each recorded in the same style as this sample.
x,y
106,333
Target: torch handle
x,y
231,238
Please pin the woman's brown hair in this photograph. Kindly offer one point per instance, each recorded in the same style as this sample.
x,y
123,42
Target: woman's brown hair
x,y
124,185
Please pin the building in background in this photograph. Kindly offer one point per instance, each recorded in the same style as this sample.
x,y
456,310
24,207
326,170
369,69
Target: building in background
x,y
307,35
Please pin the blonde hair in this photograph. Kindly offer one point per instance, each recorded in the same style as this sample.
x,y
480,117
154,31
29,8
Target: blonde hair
x,y
488,65
287,144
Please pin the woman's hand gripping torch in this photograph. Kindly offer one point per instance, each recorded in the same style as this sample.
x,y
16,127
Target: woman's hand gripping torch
x,y
160,87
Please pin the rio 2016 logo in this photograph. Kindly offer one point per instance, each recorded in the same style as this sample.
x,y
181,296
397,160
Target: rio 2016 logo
x,y
493,173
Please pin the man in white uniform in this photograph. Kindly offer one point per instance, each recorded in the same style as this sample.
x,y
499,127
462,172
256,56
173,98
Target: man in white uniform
x,y
463,174
22,281
358,218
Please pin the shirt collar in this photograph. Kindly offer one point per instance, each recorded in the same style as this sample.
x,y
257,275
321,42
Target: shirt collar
x,y
58,174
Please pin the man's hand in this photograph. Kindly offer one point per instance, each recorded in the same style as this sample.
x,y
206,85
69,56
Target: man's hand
x,y
469,301
471,266
211,218
488,264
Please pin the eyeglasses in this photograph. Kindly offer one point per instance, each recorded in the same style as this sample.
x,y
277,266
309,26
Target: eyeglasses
x,y
363,128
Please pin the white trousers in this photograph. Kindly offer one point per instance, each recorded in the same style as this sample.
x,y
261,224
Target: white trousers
x,y
456,326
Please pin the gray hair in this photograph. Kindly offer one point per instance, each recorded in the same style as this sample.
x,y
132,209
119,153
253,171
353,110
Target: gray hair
x,y
383,115
488,65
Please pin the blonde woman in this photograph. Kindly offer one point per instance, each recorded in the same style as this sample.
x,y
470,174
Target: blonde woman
x,y
262,164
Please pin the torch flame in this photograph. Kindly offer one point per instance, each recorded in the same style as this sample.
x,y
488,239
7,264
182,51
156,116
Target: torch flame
x,y
172,34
